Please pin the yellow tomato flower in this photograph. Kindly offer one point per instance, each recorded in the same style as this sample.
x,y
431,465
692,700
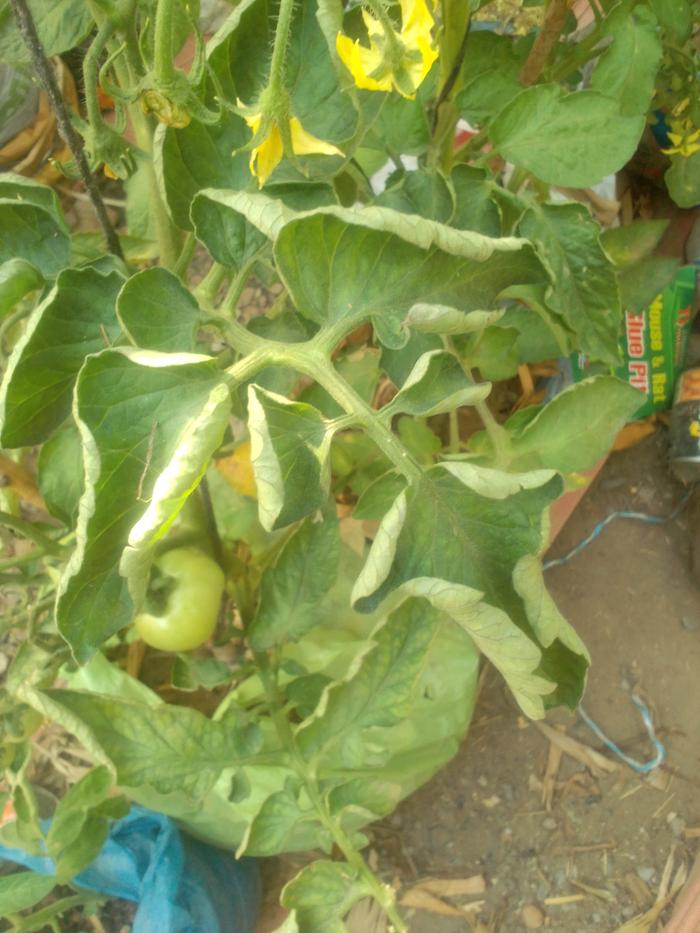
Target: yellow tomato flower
x,y
402,63
266,156
684,139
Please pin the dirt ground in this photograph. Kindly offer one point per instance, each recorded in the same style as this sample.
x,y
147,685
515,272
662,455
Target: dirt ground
x,y
597,857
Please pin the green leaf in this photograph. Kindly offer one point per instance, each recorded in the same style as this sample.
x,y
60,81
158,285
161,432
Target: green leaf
x,y
475,208
78,830
322,894
75,319
281,824
23,890
292,590
643,281
376,694
437,383
490,76
629,243
422,193
188,463
60,474
440,319
138,414
683,179
378,497
290,446
564,139
190,673
494,353
32,225
60,24
626,71
158,313
415,435
200,156
375,262
467,526
17,279
584,290
573,431
544,335
674,15
169,748
231,239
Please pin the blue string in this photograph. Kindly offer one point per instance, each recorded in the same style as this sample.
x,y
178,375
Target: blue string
x,y
641,767
636,516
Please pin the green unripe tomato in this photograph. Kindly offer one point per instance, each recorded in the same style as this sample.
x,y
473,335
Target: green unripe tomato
x,y
193,604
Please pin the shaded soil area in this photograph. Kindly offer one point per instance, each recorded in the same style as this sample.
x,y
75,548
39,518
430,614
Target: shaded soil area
x,y
589,851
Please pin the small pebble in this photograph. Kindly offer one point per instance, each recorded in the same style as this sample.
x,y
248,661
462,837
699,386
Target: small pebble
x,y
481,781
690,623
645,873
677,826
549,823
532,917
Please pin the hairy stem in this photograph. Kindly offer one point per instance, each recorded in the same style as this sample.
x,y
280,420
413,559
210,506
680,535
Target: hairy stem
x,y
279,50
163,42
91,64
128,75
68,132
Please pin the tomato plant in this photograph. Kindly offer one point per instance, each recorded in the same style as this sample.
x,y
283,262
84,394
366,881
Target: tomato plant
x,y
136,374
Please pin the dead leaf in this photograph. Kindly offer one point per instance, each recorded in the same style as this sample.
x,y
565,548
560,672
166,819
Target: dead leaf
x,y
596,763
237,470
366,916
633,433
423,900
551,770
639,889
564,899
453,887
21,481
601,893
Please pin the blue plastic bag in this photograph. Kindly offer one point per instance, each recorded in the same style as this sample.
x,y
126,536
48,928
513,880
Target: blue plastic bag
x,y
181,885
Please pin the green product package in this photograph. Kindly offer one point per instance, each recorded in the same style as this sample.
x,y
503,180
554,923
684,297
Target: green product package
x,y
653,344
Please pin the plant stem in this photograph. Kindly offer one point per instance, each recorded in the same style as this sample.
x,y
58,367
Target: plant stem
x,y
211,283
91,64
238,283
279,51
312,363
456,19
496,432
381,893
454,432
185,257
547,37
128,76
27,530
22,559
379,10
163,42
68,132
